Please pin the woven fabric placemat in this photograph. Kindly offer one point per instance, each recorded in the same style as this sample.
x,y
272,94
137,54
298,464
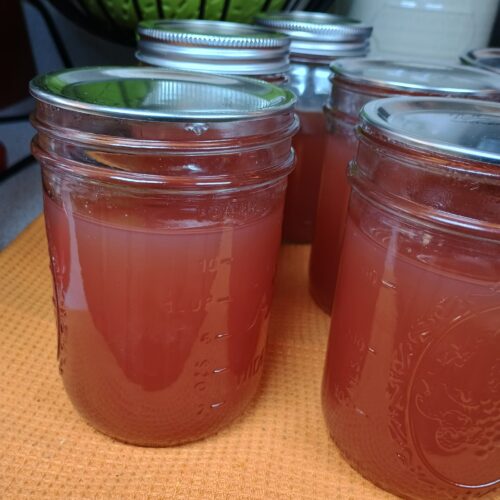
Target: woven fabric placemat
x,y
279,448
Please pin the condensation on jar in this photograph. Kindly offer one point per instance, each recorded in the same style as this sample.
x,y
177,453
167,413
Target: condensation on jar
x,y
317,39
217,47
411,391
163,197
354,83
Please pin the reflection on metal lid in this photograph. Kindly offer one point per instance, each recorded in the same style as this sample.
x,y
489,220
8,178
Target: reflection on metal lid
x,y
160,95
463,128
414,77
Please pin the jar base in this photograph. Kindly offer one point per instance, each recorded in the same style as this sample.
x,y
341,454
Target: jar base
x,y
166,443
403,493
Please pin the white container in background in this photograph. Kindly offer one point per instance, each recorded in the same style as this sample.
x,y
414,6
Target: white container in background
x,y
439,30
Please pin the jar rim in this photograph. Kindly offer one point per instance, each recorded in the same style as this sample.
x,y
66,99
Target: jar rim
x,y
459,128
160,95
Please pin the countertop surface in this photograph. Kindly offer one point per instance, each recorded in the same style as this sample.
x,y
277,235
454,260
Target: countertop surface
x,y
279,448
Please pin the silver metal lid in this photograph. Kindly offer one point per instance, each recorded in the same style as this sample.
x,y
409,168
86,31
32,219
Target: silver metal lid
x,y
462,128
320,34
212,46
414,77
488,59
154,94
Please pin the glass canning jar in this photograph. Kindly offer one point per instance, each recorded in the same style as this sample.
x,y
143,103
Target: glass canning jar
x,y
163,198
317,39
214,47
411,388
354,83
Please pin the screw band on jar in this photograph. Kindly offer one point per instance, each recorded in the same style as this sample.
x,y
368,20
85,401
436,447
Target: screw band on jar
x,y
212,46
319,35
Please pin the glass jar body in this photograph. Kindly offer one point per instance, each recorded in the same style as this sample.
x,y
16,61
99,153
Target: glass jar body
x,y
309,81
163,261
341,144
331,210
410,388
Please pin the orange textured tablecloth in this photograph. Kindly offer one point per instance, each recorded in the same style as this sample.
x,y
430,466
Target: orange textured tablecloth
x,y
278,449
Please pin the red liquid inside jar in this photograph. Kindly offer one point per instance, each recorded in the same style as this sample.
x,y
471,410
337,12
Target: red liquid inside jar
x,y
411,391
161,332
304,181
330,217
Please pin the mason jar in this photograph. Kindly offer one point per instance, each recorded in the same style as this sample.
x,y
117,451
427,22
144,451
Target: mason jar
x,y
411,391
488,59
163,199
317,39
354,83
217,47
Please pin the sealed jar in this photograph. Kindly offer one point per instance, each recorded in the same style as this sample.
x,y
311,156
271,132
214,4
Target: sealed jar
x,y
317,39
411,391
214,47
488,59
163,198
354,83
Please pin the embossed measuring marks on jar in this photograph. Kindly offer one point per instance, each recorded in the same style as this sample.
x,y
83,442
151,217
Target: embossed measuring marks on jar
x,y
222,367
209,361
211,384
